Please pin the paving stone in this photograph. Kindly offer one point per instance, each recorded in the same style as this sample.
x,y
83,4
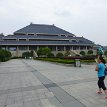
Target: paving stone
x,y
55,102
34,103
49,94
46,103
15,105
3,99
30,83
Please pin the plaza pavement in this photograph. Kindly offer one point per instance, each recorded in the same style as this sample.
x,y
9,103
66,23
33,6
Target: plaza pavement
x,y
30,83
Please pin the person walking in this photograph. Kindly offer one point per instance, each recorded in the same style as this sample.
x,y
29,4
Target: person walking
x,y
100,68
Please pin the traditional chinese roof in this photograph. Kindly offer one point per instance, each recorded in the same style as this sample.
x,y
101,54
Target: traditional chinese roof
x,y
43,29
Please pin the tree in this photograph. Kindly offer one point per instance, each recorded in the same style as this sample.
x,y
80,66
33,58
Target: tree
x,y
5,55
50,55
82,53
59,55
90,52
44,51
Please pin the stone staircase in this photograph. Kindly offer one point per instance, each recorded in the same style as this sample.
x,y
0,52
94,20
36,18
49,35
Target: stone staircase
x,y
34,54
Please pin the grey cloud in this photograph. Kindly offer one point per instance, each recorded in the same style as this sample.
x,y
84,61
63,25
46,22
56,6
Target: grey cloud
x,y
82,17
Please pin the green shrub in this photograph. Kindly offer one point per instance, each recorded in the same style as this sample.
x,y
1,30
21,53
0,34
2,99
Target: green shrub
x,y
50,55
90,52
4,55
58,60
59,55
89,57
44,51
82,53
88,61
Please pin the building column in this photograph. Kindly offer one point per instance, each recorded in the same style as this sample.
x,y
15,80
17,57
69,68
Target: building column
x,y
27,48
37,48
86,47
17,51
56,48
64,48
71,48
7,48
79,48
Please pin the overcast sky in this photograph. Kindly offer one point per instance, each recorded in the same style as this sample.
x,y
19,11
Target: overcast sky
x,y
87,18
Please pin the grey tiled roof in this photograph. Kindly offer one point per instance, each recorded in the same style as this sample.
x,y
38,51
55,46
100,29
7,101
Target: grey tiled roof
x,y
37,37
78,39
42,42
40,28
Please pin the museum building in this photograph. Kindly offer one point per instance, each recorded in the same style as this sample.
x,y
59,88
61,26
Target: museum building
x,y
35,36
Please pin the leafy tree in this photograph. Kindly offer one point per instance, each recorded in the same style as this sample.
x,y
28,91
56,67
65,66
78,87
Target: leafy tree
x,y
44,51
59,55
90,52
82,53
5,55
50,55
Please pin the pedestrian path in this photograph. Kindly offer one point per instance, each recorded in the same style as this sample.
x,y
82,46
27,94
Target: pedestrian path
x,y
30,83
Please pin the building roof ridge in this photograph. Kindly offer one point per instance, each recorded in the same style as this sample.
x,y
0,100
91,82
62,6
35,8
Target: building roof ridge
x,y
41,24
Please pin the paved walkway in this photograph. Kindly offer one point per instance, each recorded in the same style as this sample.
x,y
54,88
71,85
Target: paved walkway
x,y
30,83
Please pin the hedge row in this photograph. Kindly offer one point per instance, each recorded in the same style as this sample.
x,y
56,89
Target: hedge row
x,y
57,60
87,57
64,61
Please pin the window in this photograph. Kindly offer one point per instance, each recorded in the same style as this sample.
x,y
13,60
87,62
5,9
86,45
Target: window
x,y
22,47
74,41
19,34
70,36
33,48
9,39
32,39
81,41
60,48
12,48
30,34
67,48
75,47
53,48
82,48
22,39
63,35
